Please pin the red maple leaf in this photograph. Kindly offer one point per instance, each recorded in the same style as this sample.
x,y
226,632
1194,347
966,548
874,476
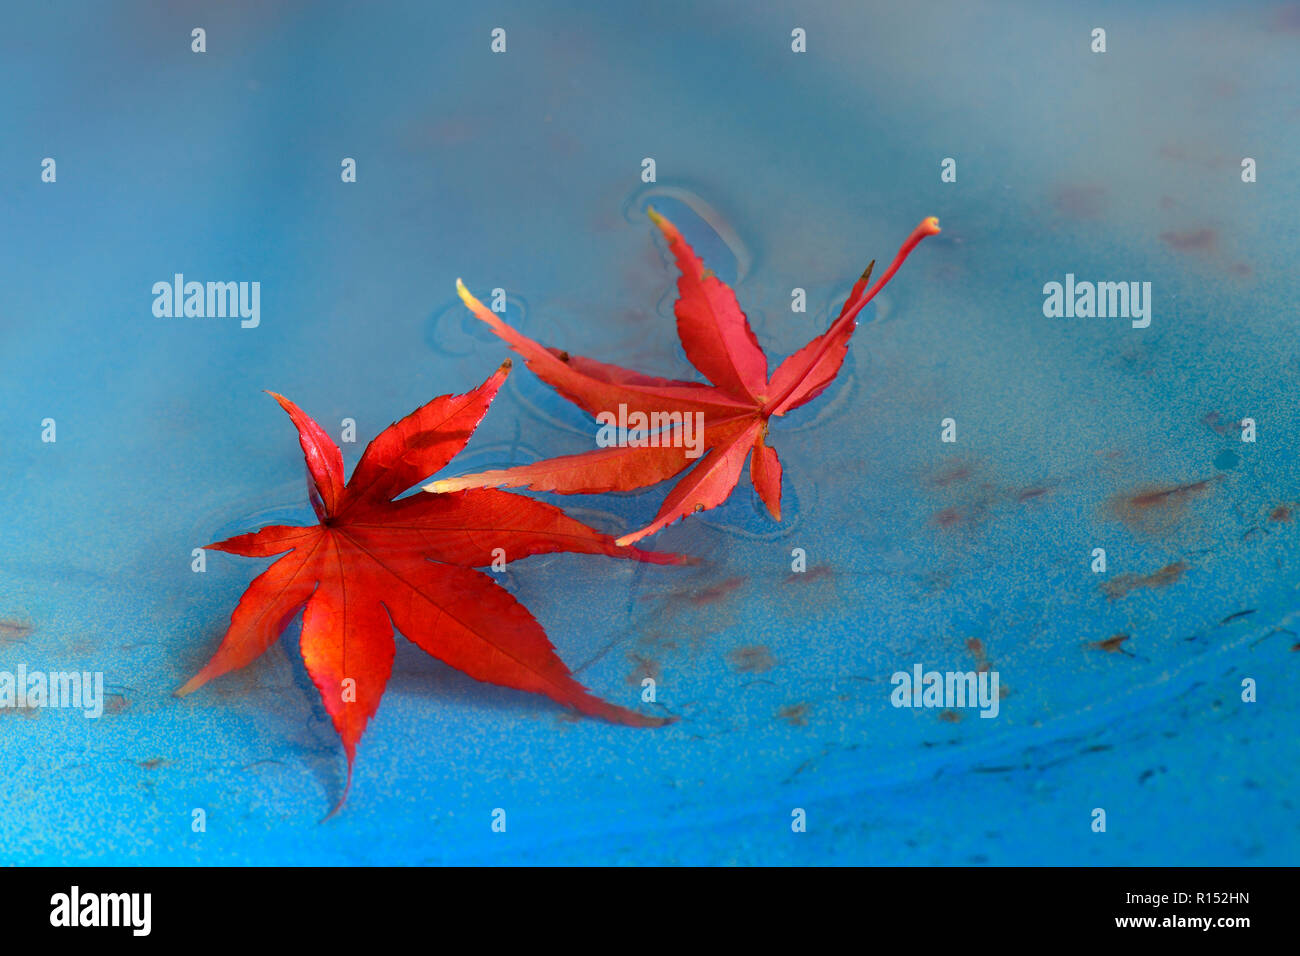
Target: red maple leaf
x,y
735,410
374,564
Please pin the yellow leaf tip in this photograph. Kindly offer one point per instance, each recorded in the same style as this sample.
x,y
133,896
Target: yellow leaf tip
x,y
666,227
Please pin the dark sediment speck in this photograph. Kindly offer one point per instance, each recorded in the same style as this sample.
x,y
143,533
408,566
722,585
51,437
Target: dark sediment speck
x,y
1120,585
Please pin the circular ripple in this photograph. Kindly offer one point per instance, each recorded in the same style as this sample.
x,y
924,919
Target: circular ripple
x,y
219,525
745,516
707,230
830,405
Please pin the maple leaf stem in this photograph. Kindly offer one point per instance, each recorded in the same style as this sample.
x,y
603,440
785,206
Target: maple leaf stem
x,y
927,227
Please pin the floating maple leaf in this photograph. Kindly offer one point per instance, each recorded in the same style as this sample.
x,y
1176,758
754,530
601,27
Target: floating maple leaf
x,y
735,410
374,564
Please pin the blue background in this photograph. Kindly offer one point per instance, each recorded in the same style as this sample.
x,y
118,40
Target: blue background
x,y
522,171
